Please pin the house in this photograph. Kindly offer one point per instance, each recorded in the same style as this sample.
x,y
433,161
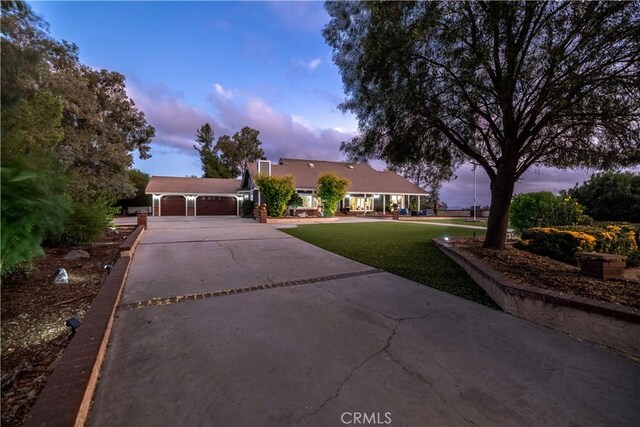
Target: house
x,y
370,190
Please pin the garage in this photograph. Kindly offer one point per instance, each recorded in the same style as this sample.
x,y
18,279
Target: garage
x,y
215,205
177,196
173,206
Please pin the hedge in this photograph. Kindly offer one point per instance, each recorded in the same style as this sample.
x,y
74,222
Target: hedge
x,y
562,243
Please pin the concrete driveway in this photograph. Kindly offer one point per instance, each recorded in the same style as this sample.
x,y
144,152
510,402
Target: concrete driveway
x,y
231,323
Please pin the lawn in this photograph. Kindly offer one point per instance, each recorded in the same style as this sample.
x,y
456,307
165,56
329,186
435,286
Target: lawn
x,y
403,249
458,221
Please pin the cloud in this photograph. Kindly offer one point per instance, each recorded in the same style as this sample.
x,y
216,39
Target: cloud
x,y
175,121
222,92
310,65
458,193
282,134
314,63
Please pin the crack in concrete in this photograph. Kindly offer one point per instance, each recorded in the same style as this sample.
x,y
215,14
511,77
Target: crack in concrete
x,y
353,370
233,256
384,349
423,380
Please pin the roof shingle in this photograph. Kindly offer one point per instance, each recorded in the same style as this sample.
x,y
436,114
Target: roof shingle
x,y
363,178
171,184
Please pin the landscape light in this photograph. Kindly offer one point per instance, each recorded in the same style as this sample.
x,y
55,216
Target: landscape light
x,y
446,239
73,323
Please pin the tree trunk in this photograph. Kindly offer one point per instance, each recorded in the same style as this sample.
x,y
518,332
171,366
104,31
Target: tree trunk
x,y
501,193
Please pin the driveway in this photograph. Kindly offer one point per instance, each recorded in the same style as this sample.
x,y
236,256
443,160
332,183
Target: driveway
x,y
227,322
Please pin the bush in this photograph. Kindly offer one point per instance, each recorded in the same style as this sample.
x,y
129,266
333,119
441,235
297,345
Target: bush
x,y
610,196
277,191
86,223
246,209
331,189
562,243
543,209
31,208
295,202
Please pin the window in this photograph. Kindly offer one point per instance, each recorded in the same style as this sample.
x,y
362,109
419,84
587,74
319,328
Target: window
x,y
361,203
308,201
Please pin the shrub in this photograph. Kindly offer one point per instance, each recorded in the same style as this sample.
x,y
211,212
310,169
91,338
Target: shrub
x,y
86,223
295,202
246,209
562,243
557,244
331,189
543,209
277,191
31,208
633,259
610,196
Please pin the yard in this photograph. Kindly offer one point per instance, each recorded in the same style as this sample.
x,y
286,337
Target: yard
x,y
457,221
403,249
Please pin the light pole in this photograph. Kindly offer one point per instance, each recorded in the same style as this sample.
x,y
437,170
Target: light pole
x,y
474,190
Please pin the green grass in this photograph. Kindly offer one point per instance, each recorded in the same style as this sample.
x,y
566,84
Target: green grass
x,y
404,249
460,221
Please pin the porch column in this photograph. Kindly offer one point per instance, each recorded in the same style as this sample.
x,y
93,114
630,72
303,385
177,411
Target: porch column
x,y
195,206
160,205
384,206
365,203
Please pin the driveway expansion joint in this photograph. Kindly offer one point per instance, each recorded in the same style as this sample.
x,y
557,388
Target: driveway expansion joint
x,y
157,301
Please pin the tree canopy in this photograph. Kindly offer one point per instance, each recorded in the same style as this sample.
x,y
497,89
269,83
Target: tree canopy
x,y
610,196
227,157
243,147
508,85
68,134
212,164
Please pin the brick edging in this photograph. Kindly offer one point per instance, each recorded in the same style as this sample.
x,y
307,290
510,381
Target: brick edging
x,y
66,397
129,245
502,283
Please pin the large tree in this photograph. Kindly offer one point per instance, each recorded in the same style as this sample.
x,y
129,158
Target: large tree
x,y
243,147
508,85
68,133
212,164
101,125
610,196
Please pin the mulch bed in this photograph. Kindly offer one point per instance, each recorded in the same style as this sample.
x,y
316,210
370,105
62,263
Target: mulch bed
x,y
537,271
34,311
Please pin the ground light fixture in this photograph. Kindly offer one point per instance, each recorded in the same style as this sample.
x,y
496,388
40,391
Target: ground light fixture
x,y
73,323
446,239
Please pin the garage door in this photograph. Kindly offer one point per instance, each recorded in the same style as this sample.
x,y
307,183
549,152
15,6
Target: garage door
x,y
173,206
212,205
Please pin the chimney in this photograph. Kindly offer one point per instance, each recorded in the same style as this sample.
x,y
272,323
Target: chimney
x,y
264,167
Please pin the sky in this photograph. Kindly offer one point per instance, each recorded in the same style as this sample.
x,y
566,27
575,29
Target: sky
x,y
234,64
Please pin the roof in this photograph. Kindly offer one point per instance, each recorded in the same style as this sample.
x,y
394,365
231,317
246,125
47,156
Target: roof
x,y
171,184
363,178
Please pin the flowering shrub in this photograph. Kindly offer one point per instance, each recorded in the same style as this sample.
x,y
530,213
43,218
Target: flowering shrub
x,y
562,243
